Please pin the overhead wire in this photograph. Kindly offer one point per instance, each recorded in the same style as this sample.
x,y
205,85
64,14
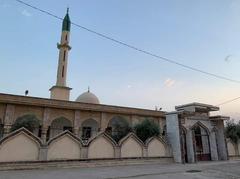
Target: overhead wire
x,y
133,47
139,49
228,101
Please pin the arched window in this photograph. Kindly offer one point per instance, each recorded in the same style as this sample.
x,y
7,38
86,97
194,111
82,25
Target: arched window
x,y
58,126
89,128
201,141
30,122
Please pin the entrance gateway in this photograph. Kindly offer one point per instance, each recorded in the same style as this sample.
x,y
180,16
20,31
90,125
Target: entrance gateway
x,y
195,135
201,144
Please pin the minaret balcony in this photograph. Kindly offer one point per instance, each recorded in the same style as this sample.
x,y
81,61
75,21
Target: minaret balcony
x,y
65,45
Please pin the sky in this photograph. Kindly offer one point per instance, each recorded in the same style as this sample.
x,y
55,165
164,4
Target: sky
x,y
202,34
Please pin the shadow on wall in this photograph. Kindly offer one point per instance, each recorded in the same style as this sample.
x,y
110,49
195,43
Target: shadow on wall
x,y
23,145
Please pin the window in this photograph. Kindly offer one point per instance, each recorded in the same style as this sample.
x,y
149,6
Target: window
x,y
86,133
66,37
63,71
109,130
64,55
67,128
40,131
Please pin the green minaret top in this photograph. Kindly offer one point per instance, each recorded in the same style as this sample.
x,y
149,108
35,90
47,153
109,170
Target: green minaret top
x,y
66,25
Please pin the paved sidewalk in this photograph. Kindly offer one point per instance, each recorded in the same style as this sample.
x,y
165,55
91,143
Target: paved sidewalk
x,y
207,170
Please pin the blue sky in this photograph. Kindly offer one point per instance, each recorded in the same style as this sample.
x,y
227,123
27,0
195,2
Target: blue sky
x,y
197,33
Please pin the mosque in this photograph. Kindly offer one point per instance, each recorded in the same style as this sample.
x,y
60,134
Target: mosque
x,y
77,129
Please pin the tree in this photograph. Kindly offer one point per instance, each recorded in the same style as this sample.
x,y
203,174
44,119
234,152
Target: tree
x,y
30,122
119,128
146,129
232,130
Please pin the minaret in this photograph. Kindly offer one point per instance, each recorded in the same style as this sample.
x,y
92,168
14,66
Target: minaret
x,y
60,90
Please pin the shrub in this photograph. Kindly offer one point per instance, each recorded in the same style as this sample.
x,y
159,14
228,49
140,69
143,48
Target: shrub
x,y
232,131
118,128
120,132
29,122
146,129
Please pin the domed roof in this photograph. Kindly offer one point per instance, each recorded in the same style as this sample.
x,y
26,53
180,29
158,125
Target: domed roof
x,y
88,97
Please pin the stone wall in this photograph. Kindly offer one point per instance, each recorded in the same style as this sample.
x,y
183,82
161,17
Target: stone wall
x,y
22,145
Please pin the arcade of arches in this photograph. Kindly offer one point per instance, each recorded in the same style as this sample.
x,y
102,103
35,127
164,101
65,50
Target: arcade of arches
x,y
200,138
85,128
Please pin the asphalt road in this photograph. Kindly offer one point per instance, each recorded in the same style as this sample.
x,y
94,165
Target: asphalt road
x,y
209,170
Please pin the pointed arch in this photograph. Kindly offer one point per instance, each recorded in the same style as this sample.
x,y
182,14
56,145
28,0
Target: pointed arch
x,y
156,147
11,151
201,141
89,128
131,146
65,133
101,146
104,135
183,129
25,132
131,135
231,146
64,146
159,138
200,124
30,122
58,125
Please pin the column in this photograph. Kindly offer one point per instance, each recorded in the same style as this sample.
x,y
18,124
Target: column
x,y
213,146
103,123
76,124
190,147
44,134
8,119
6,130
173,135
222,146
46,115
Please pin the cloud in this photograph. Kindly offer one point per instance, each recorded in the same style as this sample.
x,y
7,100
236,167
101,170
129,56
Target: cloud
x,y
169,82
26,13
129,86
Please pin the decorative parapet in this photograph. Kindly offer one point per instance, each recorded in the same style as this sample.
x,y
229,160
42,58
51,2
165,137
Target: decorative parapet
x,y
65,133
24,131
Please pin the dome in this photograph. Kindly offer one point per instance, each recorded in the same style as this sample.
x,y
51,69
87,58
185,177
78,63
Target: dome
x,y
88,97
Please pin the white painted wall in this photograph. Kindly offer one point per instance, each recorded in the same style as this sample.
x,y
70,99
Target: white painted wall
x,y
131,148
156,148
64,148
231,149
19,148
100,148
